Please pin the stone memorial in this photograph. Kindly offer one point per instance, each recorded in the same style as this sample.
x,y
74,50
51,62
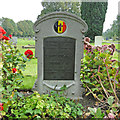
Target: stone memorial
x,y
98,40
59,43
13,40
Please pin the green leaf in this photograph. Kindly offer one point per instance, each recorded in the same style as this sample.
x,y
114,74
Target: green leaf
x,y
24,58
79,112
114,109
100,96
1,89
110,100
93,89
92,110
87,93
102,55
86,81
87,58
99,113
8,55
5,70
19,94
98,62
29,111
37,111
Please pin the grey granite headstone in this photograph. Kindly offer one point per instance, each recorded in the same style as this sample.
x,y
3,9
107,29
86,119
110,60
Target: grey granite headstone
x,y
59,43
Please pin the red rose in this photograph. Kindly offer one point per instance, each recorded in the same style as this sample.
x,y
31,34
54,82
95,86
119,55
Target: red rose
x,y
10,36
29,54
1,108
5,38
2,31
14,70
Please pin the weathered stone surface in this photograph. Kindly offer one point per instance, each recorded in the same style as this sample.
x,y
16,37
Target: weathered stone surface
x,y
59,43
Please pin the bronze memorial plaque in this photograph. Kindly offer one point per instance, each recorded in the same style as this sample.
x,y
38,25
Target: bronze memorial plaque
x,y
59,58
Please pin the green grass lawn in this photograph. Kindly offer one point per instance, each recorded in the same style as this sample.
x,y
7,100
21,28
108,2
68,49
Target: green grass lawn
x,y
30,74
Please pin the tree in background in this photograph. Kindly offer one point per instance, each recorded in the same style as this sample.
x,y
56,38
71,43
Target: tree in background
x,y
72,7
118,19
20,29
92,12
10,26
25,28
94,15
113,32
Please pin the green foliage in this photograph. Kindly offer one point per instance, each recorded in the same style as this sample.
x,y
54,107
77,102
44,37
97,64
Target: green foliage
x,y
118,19
21,29
41,106
94,17
72,7
9,26
100,75
11,80
96,113
25,28
110,100
113,31
112,107
112,110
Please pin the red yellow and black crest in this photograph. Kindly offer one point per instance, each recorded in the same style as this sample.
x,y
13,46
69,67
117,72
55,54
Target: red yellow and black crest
x,y
60,26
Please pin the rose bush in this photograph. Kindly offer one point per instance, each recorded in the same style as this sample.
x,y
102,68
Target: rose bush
x,y
2,32
13,63
100,74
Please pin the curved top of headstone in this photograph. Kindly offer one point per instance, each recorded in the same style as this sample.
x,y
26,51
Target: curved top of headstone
x,y
61,15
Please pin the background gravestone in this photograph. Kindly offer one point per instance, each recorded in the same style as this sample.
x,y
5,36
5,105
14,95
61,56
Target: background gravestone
x,y
98,40
13,40
33,38
59,43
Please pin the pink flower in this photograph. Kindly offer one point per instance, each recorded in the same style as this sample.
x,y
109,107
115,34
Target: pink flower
x,y
1,104
113,60
8,50
87,39
110,115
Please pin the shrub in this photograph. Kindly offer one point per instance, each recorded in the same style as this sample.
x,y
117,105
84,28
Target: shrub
x,y
43,106
99,73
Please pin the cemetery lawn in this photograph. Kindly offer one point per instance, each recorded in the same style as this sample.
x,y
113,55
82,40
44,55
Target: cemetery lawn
x,y
30,73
